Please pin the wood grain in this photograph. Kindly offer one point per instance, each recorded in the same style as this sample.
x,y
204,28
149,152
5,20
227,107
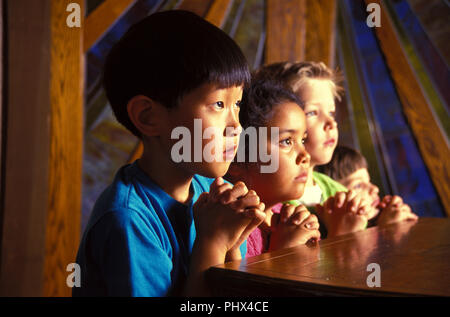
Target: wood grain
x,y
66,151
199,7
101,20
320,31
430,139
286,31
218,12
412,258
27,99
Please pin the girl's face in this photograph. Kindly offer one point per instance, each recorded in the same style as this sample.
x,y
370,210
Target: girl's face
x,y
320,109
288,182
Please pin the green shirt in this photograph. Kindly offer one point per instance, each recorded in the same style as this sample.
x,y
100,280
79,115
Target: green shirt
x,y
328,186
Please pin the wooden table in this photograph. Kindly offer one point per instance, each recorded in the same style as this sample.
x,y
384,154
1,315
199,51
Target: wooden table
x,y
414,259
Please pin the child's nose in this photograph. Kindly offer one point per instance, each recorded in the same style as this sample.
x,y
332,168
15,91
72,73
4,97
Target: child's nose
x,y
374,190
303,157
233,125
330,123
233,131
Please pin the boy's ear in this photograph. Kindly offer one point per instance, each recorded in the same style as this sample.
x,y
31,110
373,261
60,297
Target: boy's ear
x,y
145,114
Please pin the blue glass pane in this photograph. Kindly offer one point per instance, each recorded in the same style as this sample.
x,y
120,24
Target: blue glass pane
x,y
409,175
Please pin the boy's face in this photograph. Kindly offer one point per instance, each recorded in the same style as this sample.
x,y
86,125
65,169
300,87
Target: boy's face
x,y
288,182
217,109
359,181
320,120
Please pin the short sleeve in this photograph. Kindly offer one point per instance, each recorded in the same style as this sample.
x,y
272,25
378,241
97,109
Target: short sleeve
x,y
132,259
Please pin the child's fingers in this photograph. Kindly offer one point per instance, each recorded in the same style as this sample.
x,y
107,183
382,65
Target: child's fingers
x,y
213,187
251,200
350,195
385,201
313,235
396,201
300,217
406,207
238,190
412,216
329,205
312,226
339,199
256,213
300,208
262,207
220,190
353,203
364,207
409,215
286,212
311,223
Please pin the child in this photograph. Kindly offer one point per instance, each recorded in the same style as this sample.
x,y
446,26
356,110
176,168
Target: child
x,y
340,211
350,168
167,70
266,105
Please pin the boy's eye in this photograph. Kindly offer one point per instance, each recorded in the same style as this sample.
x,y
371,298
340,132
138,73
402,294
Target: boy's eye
x,y
304,140
311,113
357,186
333,114
238,104
219,104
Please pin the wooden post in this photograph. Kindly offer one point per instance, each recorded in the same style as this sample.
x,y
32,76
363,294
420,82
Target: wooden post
x,y
43,150
285,31
320,31
66,149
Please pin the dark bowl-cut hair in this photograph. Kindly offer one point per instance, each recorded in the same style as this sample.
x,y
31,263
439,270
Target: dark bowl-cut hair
x,y
260,99
344,162
167,55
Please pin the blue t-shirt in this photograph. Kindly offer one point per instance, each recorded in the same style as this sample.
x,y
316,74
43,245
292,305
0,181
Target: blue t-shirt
x,y
138,240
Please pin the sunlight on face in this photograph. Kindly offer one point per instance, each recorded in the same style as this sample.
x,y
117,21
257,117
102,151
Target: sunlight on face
x,y
320,110
289,180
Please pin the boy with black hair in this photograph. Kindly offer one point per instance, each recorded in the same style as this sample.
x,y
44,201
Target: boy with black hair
x,y
146,237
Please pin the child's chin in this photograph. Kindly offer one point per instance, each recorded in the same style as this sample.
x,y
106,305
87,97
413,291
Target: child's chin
x,y
213,170
293,196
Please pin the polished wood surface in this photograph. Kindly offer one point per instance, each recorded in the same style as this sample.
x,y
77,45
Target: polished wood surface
x,y
413,258
430,138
